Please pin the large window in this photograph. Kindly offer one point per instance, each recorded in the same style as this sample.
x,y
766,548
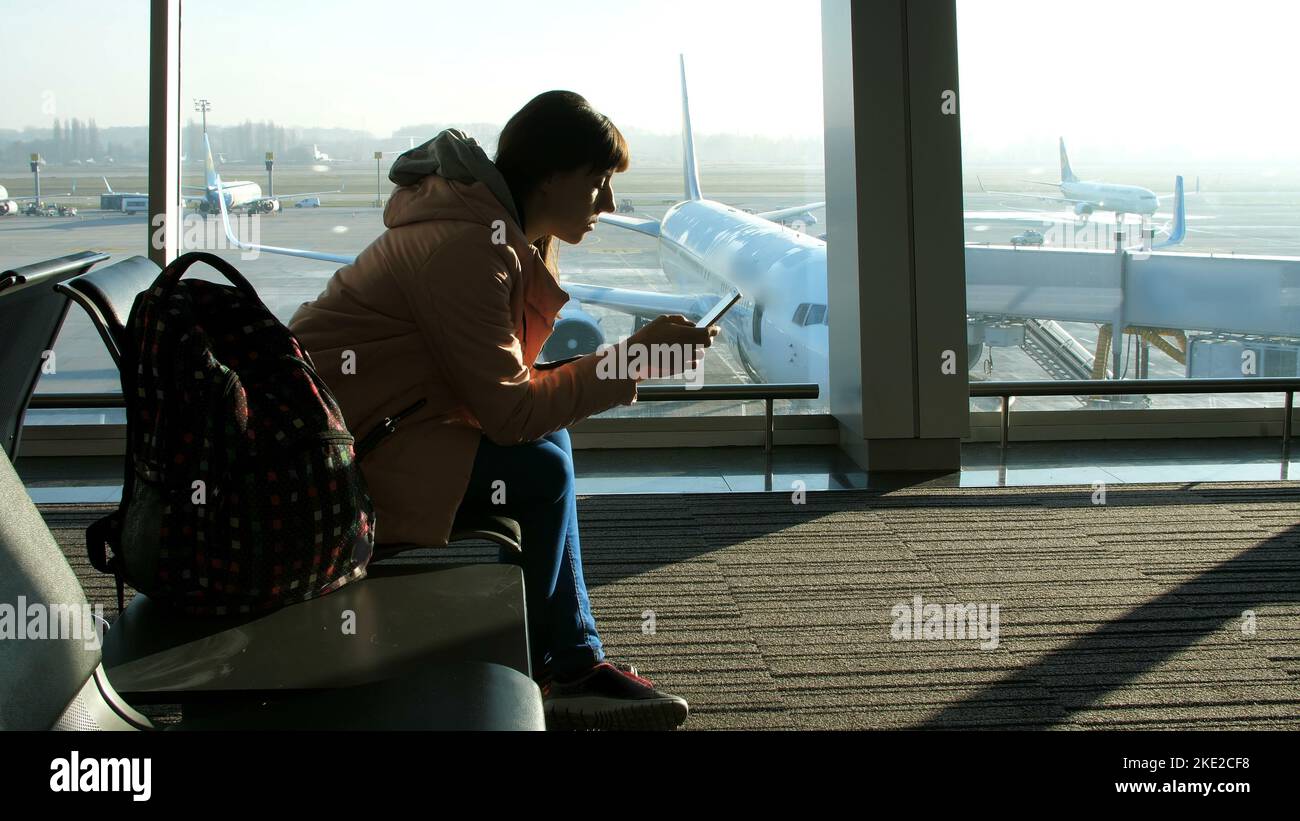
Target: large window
x,y
75,96
343,84
1077,120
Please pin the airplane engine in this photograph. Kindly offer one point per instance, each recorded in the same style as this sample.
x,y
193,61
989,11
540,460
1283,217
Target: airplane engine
x,y
8,207
576,333
1082,209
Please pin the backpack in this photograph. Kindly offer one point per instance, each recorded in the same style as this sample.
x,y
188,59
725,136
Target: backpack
x,y
242,491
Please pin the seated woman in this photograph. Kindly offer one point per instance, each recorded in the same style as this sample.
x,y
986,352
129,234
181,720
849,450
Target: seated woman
x,y
452,305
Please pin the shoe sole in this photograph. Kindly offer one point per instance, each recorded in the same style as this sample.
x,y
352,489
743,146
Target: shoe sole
x,y
594,713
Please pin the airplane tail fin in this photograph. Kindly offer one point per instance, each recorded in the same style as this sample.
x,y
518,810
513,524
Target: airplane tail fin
x,y
213,179
106,185
1067,175
1179,230
691,167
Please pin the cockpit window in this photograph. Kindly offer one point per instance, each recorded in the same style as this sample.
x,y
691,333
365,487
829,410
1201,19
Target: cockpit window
x,y
800,313
816,315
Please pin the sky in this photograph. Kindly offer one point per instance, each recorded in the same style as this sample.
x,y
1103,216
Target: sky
x,y
1135,79
1152,79
379,65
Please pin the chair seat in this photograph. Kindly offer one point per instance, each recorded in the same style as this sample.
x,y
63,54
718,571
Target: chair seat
x,y
402,618
470,525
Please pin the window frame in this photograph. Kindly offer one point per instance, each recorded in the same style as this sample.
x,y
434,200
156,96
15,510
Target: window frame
x,y
165,127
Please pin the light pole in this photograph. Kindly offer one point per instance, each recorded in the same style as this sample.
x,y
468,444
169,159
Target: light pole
x,y
36,169
203,106
270,172
379,197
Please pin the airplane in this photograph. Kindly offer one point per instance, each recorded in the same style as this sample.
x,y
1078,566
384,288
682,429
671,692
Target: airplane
x,y
321,157
10,205
1087,197
110,190
398,151
237,194
706,249
1175,229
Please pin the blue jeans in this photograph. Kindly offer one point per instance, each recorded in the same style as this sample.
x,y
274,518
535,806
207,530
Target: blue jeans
x,y
537,481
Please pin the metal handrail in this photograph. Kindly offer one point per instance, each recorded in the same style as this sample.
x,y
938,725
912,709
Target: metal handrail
x,y
75,401
722,393
1285,385
645,393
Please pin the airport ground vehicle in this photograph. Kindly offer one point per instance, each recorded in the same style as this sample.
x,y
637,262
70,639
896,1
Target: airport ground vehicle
x,y
308,202
49,210
1030,237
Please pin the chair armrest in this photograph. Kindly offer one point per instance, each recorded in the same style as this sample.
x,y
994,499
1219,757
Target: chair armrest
x,y
469,696
395,621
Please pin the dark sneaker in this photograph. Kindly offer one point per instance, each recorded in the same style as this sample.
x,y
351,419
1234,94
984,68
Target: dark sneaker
x,y
610,698
543,677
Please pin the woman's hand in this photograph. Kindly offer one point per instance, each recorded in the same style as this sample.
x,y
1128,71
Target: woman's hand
x,y
667,346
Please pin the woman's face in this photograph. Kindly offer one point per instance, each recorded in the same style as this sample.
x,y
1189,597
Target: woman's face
x,y
575,200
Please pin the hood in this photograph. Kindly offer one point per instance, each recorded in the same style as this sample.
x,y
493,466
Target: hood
x,y
451,178
454,157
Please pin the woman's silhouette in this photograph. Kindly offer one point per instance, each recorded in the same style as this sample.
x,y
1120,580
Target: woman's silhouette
x,y
452,305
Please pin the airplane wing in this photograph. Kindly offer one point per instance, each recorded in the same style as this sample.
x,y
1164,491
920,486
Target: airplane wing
x,y
273,249
642,225
44,197
792,211
1041,197
646,304
303,194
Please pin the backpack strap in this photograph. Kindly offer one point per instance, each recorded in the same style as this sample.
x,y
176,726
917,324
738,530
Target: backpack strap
x,y
100,537
173,273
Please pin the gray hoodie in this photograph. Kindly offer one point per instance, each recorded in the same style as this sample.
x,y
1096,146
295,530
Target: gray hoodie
x,y
453,156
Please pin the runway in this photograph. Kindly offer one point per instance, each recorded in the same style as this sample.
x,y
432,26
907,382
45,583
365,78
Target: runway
x,y
609,256
1223,223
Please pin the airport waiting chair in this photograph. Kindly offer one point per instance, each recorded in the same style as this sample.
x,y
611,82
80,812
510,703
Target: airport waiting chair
x,y
107,295
449,612
60,682
31,315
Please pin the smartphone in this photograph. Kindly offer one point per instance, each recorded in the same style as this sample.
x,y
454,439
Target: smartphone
x,y
716,312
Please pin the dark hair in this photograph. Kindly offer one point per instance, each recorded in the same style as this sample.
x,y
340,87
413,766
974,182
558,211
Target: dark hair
x,y
556,132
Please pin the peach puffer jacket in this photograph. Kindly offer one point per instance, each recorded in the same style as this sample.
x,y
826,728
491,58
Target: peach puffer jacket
x,y
434,309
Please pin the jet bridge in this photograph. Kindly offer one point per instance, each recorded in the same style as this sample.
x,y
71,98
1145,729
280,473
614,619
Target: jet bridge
x,y
1137,288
